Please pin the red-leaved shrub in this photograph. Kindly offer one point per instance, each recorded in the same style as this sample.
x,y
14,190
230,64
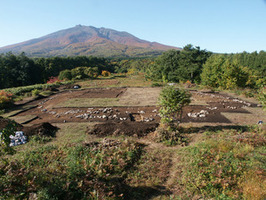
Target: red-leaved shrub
x,y
6,99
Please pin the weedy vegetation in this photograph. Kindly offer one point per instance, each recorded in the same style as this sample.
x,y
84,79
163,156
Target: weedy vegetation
x,y
226,165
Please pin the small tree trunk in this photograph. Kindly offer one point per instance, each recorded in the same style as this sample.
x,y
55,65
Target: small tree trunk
x,y
181,113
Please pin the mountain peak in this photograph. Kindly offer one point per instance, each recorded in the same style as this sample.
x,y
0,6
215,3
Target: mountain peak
x,y
88,40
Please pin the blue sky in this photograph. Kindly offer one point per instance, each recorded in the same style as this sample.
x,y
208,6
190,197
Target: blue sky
x,y
224,26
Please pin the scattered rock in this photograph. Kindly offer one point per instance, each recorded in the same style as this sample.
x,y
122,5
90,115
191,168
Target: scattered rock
x,y
76,86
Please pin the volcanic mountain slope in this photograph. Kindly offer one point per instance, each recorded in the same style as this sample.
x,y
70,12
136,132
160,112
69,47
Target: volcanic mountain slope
x,y
88,40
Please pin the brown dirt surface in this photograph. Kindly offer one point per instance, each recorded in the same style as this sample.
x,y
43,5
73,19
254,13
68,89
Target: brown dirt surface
x,y
4,122
103,93
140,96
96,114
140,104
43,129
138,129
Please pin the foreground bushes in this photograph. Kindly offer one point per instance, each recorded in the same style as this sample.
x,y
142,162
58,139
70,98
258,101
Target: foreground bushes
x,y
95,171
227,165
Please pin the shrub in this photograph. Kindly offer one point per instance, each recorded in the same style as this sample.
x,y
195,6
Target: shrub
x,y
170,136
92,72
172,100
53,79
96,171
35,92
65,75
5,138
6,99
105,73
157,85
225,165
262,96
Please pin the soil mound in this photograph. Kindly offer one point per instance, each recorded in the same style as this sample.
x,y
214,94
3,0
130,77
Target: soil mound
x,y
43,129
139,129
4,122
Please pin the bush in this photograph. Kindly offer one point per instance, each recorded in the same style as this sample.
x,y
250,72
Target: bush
x,y
93,171
82,72
65,75
5,138
105,73
35,92
262,96
53,79
172,100
225,165
170,136
6,99
157,85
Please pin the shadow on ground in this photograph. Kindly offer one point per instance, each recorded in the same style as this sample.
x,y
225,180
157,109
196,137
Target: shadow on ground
x,y
213,128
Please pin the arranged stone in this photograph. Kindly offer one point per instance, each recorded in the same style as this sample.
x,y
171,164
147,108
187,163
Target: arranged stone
x,y
202,113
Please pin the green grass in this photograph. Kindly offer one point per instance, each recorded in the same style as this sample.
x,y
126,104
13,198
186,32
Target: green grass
x,y
17,110
89,102
117,81
23,119
72,133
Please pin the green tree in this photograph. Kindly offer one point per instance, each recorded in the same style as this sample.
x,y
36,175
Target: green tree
x,y
191,62
91,72
175,65
172,100
226,72
65,75
78,73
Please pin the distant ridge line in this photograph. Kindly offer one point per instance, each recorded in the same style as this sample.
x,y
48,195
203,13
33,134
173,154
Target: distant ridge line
x,y
88,40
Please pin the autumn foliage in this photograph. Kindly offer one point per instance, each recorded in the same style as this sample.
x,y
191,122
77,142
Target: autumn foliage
x,y
53,79
6,99
105,73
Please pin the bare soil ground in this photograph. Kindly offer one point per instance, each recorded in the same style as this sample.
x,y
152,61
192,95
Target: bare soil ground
x,y
137,129
42,129
140,104
138,113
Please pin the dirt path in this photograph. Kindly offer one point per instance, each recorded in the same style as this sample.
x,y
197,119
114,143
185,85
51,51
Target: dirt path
x,y
169,176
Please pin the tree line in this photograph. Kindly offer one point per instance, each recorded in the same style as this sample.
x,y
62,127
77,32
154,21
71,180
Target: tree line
x,y
227,71
20,70
192,64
